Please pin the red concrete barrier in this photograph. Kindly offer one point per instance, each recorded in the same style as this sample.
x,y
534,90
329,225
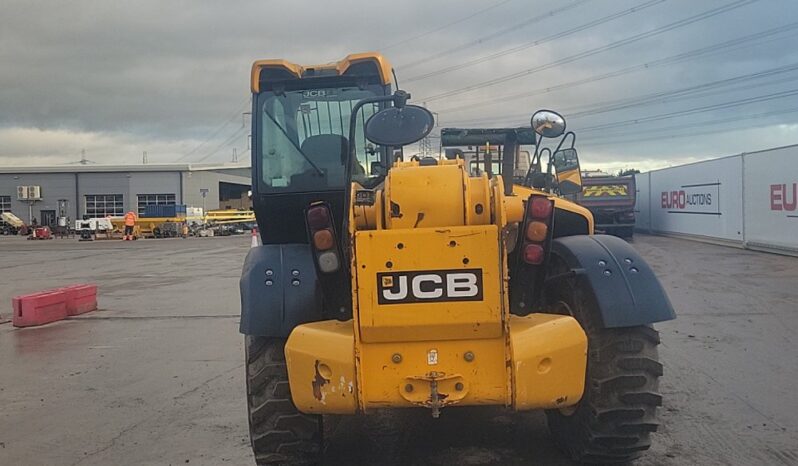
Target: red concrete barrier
x,y
38,308
80,298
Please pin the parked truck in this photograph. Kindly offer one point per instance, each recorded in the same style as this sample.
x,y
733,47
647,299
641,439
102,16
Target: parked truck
x,y
611,200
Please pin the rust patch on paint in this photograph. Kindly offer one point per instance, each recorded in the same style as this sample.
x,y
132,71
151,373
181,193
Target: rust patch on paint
x,y
419,218
318,382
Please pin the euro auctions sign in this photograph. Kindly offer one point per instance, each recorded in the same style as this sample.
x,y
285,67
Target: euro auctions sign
x,y
771,206
771,198
700,198
784,197
749,199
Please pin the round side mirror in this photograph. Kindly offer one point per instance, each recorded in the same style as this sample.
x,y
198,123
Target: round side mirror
x,y
548,124
399,126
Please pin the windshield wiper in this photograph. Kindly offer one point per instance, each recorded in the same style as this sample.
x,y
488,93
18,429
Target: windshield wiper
x,y
315,167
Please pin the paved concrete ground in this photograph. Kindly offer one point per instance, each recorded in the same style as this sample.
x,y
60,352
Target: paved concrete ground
x,y
156,376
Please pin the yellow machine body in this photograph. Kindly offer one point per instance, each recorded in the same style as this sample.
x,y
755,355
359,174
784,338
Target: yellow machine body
x,y
431,323
385,257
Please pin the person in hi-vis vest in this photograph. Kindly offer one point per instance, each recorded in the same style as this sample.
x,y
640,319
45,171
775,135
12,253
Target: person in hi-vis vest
x,y
130,222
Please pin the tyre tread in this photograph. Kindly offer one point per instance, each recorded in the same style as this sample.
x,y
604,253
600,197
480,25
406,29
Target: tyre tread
x,y
613,422
279,432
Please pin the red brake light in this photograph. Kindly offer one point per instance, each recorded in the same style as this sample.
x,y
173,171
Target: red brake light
x,y
319,217
534,254
540,207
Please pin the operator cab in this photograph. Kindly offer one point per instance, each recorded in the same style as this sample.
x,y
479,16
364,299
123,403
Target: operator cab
x,y
300,138
485,150
518,154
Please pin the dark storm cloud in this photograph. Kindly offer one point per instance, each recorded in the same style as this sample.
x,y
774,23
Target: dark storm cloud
x,y
122,77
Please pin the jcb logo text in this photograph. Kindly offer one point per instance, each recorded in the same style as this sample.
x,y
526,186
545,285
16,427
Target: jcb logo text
x,y
429,286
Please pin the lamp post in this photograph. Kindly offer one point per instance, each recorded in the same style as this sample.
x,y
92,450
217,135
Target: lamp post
x,y
204,193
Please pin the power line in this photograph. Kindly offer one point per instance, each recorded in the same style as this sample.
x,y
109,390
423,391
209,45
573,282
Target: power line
x,y
730,45
239,132
535,43
680,113
691,92
610,139
692,125
657,98
480,40
629,40
671,135
216,132
445,26
694,95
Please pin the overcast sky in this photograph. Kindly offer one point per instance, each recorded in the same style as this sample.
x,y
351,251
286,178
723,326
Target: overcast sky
x,y
644,83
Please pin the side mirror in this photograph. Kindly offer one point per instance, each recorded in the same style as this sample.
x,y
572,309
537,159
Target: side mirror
x,y
399,126
569,174
548,124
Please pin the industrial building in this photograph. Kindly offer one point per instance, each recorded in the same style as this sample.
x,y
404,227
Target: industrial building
x,y
75,191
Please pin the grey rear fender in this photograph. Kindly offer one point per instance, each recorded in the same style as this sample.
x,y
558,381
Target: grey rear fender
x,y
279,290
625,289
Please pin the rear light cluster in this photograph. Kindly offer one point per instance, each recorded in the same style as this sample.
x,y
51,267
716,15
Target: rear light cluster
x,y
539,212
322,236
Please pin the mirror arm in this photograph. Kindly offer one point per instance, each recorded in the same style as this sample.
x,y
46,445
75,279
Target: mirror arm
x,y
351,155
573,138
352,149
559,146
399,98
573,141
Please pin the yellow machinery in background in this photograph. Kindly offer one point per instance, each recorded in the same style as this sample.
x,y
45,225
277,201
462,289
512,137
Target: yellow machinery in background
x,y
12,224
225,217
153,227
147,227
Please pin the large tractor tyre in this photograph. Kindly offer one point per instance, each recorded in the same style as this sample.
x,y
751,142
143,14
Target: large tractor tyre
x,y
613,420
280,434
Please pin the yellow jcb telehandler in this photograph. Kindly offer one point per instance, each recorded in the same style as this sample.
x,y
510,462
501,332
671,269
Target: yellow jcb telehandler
x,y
387,281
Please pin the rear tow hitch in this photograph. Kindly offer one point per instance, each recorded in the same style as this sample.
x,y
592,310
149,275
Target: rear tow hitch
x,y
435,399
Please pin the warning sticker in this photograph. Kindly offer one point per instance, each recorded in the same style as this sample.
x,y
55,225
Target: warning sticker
x,y
606,190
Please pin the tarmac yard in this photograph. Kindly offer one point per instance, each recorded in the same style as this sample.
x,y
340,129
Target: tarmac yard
x,y
156,376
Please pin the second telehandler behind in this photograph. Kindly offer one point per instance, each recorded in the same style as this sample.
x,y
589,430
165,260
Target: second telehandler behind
x,y
385,282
